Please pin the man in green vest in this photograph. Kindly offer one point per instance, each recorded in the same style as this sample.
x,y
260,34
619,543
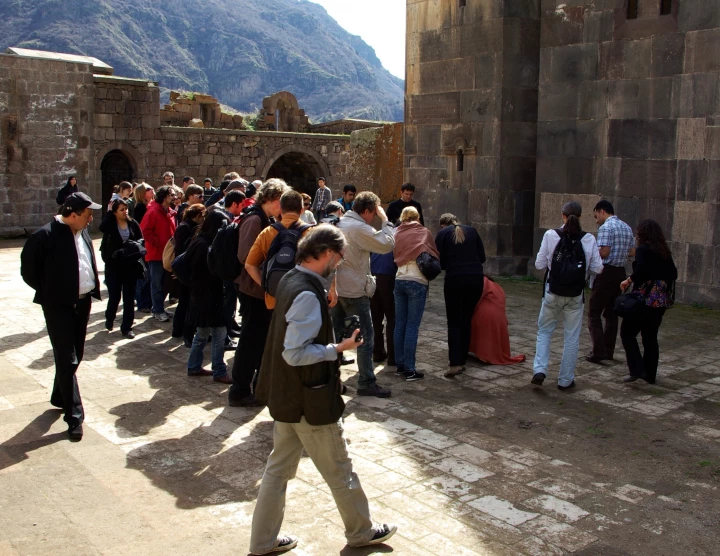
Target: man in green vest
x,y
300,383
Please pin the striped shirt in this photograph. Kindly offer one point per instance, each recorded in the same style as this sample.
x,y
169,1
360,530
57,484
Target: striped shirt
x,y
617,235
322,198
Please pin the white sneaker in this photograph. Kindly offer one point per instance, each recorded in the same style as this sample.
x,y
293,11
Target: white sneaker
x,y
162,317
282,544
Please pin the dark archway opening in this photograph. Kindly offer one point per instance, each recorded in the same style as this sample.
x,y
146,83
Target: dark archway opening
x,y
299,170
115,167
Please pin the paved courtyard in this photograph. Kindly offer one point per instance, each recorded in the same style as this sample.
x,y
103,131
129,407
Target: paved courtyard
x,y
481,464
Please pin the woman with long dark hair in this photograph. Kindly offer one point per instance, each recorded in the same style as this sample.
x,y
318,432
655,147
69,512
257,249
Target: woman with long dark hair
x,y
654,275
143,195
193,216
206,303
121,272
66,190
461,256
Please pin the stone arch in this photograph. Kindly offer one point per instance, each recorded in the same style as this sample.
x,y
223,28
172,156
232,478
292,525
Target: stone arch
x,y
300,166
117,161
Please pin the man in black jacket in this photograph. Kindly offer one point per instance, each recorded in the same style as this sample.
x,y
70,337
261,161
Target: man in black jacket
x,y
300,382
407,192
58,262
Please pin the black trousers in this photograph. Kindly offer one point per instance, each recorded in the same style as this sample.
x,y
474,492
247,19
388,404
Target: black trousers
x,y
67,326
120,282
462,294
646,323
229,305
606,289
248,355
382,306
180,327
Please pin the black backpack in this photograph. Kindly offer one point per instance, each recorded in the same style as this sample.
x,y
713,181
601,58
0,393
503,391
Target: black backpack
x,y
281,255
222,257
567,273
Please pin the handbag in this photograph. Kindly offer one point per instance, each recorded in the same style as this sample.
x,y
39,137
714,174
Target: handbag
x,y
429,265
168,254
629,304
181,268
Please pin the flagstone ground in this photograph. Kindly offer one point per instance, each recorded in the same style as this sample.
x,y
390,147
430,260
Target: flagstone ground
x,y
480,464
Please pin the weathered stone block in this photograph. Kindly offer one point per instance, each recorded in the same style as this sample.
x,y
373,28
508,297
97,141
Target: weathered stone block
x,y
694,15
591,138
712,148
557,138
444,76
593,100
637,56
599,26
691,222
551,174
650,179
562,27
479,106
654,98
558,101
519,139
575,63
434,109
642,139
691,138
519,105
667,55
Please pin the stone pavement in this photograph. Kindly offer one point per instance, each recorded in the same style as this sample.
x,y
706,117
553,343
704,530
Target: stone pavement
x,y
481,464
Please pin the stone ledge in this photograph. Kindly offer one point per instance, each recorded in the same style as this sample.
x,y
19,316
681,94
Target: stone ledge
x,y
123,81
247,133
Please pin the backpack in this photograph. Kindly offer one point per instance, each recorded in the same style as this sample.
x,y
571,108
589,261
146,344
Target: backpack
x,y
281,255
222,257
181,268
567,274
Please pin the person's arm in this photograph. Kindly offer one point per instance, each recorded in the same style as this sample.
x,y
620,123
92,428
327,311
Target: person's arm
x,y
304,320
542,261
249,231
32,261
595,264
380,242
256,256
148,228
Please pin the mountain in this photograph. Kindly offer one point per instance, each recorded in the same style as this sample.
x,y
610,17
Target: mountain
x,y
236,50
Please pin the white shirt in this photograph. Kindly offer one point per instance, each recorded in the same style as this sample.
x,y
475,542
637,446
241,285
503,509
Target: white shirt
x,y
85,270
549,243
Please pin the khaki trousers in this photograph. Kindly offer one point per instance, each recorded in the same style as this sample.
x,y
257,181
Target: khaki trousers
x,y
327,448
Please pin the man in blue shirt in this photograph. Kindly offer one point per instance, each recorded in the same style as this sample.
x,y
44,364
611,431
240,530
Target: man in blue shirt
x,y
348,198
616,243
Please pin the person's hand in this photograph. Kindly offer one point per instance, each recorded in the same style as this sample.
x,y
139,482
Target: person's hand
x,y
349,343
332,297
625,284
381,213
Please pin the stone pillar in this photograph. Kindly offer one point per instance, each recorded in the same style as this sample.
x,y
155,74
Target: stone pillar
x,y
471,119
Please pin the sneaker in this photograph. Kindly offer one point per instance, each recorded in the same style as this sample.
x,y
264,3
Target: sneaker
x,y
382,533
282,544
170,314
230,344
400,371
346,360
412,376
128,334
568,387
538,378
375,390
162,317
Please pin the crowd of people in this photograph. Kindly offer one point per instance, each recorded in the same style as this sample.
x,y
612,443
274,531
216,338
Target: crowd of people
x,y
315,278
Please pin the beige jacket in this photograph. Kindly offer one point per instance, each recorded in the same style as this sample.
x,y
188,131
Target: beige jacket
x,y
353,277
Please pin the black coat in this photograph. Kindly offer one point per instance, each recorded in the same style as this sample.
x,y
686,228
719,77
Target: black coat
x,y
206,290
184,235
139,212
49,265
112,241
648,265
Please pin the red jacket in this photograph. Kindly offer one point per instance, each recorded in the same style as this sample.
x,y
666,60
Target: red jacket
x,y
158,226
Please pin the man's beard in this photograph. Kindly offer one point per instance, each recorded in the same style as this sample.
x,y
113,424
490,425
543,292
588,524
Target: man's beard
x,y
328,270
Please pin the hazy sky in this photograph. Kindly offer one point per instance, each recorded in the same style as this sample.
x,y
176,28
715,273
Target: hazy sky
x,y
381,24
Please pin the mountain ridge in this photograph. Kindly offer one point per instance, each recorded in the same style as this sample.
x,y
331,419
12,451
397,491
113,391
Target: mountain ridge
x,y
272,45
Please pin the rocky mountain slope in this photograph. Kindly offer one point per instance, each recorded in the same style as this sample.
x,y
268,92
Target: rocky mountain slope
x,y
236,50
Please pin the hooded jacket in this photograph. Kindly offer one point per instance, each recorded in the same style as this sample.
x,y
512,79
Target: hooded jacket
x,y
158,226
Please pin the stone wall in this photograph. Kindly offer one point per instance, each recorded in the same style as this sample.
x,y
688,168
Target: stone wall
x,y
471,115
629,111
46,109
342,127
197,110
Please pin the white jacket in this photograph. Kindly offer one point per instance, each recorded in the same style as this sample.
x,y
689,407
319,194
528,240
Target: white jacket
x,y
353,277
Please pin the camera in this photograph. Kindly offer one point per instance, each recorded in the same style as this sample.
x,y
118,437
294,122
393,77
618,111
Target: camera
x,y
350,325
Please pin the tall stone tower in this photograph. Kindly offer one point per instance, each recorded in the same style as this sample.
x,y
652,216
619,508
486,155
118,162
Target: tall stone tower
x,y
471,118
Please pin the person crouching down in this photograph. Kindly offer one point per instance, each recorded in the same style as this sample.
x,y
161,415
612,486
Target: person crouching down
x,y
570,255
300,383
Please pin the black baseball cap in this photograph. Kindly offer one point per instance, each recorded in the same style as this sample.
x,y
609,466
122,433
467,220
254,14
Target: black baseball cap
x,y
79,201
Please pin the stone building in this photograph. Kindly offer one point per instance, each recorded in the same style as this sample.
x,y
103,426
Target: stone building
x,y
65,115
515,106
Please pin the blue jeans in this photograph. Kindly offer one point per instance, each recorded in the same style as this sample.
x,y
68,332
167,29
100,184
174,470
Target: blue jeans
x,y
555,307
157,278
409,307
142,294
217,350
360,306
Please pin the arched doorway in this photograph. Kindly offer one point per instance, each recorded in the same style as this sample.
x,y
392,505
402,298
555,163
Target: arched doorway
x,y
299,170
115,167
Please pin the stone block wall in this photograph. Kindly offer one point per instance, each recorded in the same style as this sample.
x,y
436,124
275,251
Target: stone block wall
x,y
190,109
46,111
629,111
375,161
471,119
342,127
